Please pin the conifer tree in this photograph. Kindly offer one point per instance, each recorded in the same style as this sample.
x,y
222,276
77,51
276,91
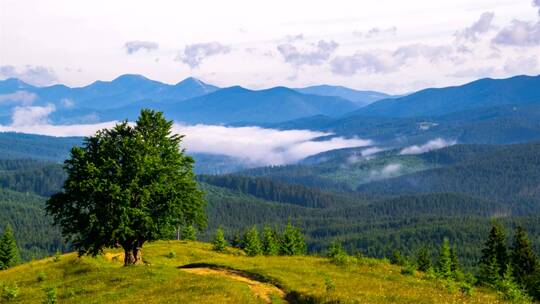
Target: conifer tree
x,y
9,253
490,272
444,263
252,243
494,255
397,258
219,243
236,241
270,242
523,259
424,259
456,267
293,242
189,233
510,289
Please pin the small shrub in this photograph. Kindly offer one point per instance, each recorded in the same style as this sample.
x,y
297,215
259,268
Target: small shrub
x,y
171,254
450,286
50,296
342,259
10,293
41,276
335,249
431,274
219,243
408,269
338,256
465,288
397,258
329,284
56,257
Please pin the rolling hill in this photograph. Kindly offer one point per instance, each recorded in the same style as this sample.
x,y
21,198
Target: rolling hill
x,y
189,272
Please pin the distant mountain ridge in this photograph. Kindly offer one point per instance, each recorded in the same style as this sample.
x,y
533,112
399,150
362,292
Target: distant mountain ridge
x,y
362,98
123,90
487,92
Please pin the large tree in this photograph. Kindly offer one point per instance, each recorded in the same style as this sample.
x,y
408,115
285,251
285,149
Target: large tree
x,y
126,186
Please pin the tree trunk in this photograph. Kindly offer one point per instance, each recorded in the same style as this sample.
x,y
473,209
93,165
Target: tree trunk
x,y
133,255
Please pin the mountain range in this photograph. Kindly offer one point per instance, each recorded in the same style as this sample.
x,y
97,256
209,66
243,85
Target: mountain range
x,y
190,101
490,111
193,101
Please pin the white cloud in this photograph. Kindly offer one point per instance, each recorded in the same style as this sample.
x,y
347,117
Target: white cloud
x,y
386,61
31,115
136,45
67,102
481,26
261,146
387,171
536,3
369,62
254,145
432,53
194,54
434,144
314,54
519,33
19,97
376,32
370,151
35,75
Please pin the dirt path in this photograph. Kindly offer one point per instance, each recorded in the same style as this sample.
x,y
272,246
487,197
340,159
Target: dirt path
x,y
265,291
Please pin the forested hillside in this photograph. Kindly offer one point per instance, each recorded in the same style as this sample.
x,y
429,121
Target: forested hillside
x,y
511,174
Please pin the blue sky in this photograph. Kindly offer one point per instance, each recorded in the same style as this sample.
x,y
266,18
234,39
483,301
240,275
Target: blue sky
x,y
391,46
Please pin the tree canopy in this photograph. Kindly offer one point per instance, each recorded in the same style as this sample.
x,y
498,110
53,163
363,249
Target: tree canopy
x,y
127,185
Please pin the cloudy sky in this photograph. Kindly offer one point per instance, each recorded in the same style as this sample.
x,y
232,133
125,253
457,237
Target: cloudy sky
x,y
392,46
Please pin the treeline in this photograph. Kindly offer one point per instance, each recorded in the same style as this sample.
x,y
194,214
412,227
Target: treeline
x,y
510,174
276,191
272,241
25,146
512,270
307,175
26,175
405,223
33,230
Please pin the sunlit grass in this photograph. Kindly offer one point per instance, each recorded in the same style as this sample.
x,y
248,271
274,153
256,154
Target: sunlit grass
x,y
105,280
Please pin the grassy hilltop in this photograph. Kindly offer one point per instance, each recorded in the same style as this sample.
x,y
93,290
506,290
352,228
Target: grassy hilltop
x,y
190,272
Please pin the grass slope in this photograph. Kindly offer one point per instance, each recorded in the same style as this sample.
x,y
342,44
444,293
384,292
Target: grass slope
x,y
303,279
